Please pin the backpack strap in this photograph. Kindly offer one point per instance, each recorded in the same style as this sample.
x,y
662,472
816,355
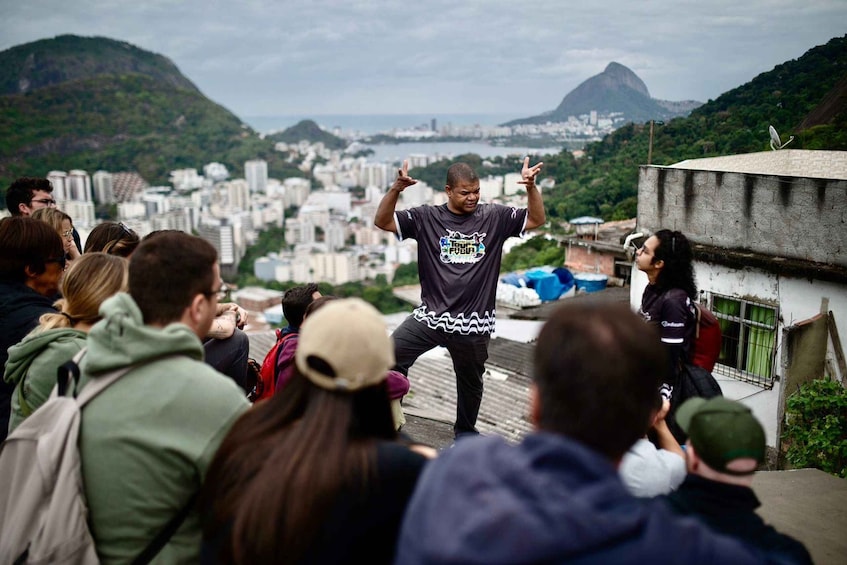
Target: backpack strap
x,y
155,546
91,389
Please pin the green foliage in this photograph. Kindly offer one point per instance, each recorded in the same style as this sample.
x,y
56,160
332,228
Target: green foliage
x,y
310,131
605,182
536,252
272,240
94,103
406,274
816,427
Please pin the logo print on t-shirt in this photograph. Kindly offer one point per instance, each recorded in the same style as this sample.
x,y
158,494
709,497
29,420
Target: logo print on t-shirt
x,y
457,247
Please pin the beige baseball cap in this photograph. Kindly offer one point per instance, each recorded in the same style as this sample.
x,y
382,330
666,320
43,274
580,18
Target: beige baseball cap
x,y
344,346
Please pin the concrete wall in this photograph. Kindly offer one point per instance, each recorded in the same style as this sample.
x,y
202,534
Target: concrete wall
x,y
791,217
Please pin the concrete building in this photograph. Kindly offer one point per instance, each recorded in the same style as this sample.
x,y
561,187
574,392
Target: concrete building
x,y
184,180
82,213
79,186
490,187
257,299
297,190
104,192
510,184
238,194
374,174
335,268
335,236
58,179
221,233
298,231
215,172
256,173
596,247
770,248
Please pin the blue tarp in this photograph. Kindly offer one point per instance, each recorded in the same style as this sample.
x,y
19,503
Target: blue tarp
x,y
548,283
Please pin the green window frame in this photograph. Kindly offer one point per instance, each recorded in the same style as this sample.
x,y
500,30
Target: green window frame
x,y
748,343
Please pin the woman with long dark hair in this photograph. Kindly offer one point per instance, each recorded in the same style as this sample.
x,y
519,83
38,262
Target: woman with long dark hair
x,y
668,303
318,474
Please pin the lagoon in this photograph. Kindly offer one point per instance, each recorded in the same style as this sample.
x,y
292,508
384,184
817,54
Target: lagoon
x,y
396,152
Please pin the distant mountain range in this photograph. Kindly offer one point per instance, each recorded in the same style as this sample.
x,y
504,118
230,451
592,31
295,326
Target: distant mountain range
x,y
616,89
95,103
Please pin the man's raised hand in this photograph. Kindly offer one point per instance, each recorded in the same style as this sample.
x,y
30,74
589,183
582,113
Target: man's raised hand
x,y
403,180
528,173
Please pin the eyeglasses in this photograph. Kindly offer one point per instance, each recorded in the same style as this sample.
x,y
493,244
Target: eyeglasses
x,y
220,293
68,233
62,261
45,201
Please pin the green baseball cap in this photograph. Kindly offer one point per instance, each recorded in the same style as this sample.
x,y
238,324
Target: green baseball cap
x,y
722,430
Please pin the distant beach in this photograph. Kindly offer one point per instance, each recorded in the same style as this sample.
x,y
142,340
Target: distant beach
x,y
375,123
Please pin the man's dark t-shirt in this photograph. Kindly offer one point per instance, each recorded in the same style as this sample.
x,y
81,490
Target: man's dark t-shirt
x,y
459,262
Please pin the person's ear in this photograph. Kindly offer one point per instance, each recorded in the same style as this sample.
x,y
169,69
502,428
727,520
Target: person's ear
x,y
24,209
659,263
692,461
534,405
31,272
197,308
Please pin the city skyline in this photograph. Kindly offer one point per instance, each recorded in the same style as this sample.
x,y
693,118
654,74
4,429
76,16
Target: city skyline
x,y
383,57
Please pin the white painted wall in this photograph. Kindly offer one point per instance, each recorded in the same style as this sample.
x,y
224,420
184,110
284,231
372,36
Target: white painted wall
x,y
797,299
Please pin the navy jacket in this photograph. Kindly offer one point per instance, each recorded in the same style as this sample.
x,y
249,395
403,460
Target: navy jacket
x,y
547,500
731,510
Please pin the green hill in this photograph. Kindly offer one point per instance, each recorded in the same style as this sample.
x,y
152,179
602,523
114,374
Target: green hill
x,y
803,97
95,103
310,131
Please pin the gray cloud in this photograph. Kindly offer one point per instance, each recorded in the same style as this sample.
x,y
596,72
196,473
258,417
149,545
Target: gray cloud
x,y
440,56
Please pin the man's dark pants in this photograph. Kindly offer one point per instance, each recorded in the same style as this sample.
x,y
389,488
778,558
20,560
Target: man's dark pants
x,y
469,353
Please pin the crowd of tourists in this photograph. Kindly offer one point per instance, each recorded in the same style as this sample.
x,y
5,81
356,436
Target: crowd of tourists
x,y
180,464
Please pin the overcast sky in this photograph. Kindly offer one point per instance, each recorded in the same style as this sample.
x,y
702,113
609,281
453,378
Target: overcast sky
x,y
316,57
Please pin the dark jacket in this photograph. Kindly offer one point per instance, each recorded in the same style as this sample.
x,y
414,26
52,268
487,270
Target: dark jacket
x,y
730,510
546,500
20,308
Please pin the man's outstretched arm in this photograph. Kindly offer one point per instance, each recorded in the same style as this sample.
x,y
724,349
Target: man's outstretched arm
x,y
535,215
384,218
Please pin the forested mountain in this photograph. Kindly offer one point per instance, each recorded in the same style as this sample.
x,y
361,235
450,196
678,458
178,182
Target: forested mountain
x,y
804,97
616,89
310,131
95,103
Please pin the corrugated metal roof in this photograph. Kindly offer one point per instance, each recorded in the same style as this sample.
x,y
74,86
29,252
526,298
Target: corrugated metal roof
x,y
505,402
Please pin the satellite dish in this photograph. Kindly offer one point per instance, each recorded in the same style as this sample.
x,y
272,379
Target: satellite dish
x,y
776,142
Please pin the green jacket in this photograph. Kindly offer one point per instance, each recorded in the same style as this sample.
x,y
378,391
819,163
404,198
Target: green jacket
x,y
32,367
147,440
